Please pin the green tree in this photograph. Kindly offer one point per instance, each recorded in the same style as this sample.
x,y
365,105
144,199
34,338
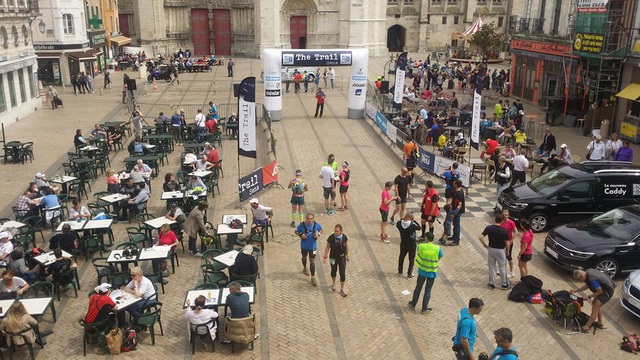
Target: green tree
x,y
488,38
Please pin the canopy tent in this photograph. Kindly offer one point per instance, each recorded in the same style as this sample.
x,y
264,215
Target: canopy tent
x,y
474,28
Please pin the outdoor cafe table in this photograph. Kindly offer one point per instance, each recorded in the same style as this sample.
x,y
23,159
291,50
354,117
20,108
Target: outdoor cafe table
x,y
157,252
232,234
13,147
201,173
212,296
116,257
453,129
228,218
250,290
114,199
63,180
98,225
11,224
123,299
89,150
35,307
228,258
156,223
75,225
193,146
174,195
48,258
158,139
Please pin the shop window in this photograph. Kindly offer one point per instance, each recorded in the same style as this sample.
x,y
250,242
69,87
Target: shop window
x,y
32,83
3,102
16,37
67,23
12,89
456,19
444,20
454,43
23,89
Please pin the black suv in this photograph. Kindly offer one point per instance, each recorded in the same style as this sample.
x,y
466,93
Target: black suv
x,y
573,192
608,242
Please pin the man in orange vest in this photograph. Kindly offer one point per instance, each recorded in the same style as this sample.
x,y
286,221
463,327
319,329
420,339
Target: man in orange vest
x,y
429,208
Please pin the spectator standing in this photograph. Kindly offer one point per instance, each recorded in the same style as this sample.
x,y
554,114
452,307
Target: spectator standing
x,y
429,254
337,250
386,199
320,96
612,146
457,202
194,225
52,94
450,176
503,177
344,176
526,251
407,228
328,180
625,153
504,349
498,239
465,338
201,127
332,77
107,79
230,65
596,149
520,166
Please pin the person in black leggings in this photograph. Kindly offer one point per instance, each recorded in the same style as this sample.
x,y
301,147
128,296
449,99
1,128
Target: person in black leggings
x,y
337,250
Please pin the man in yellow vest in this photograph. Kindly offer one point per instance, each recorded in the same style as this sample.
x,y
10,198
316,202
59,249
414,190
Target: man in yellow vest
x,y
428,255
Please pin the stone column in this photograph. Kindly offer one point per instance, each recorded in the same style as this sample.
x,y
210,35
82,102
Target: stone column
x,y
267,25
152,25
363,24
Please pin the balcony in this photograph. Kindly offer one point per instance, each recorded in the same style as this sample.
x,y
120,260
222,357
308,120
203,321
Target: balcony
x,y
537,26
527,25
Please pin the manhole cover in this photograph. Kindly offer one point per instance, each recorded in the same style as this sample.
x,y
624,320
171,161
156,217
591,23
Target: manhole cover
x,y
286,239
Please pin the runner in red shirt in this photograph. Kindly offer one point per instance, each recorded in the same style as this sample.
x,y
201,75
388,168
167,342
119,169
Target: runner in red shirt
x,y
429,209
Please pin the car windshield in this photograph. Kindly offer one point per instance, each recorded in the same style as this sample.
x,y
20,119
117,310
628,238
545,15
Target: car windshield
x,y
548,183
617,223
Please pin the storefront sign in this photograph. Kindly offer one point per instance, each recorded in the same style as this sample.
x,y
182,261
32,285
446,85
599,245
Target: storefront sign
x,y
316,58
60,46
541,47
97,38
588,43
592,6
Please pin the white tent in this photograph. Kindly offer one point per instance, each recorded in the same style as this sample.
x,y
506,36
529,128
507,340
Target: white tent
x,y
474,28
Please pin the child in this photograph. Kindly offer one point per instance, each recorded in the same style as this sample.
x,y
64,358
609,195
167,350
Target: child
x,y
384,209
448,221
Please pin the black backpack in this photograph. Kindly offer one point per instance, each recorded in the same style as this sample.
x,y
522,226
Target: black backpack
x,y
527,286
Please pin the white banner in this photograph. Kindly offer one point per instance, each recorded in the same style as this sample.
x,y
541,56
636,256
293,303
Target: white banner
x,y
475,121
443,164
391,132
398,89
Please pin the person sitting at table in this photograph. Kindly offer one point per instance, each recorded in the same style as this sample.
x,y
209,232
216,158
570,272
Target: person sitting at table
x,y
238,301
175,214
189,159
18,321
129,188
98,133
245,263
101,305
113,184
11,286
162,123
202,164
140,287
232,123
170,183
6,246
78,211
115,136
548,143
59,267
194,225
136,204
166,237
195,182
508,152
41,181
508,132
19,266
67,240
36,192
141,173
433,132
495,157
442,141
137,147
78,139
211,124
51,204
520,136
200,316
26,206
261,215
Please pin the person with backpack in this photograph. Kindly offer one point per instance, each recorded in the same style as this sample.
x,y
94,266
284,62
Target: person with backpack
x,y
337,250
309,231
298,188
450,176
466,333
345,174
429,208
505,350
457,202
602,287
407,228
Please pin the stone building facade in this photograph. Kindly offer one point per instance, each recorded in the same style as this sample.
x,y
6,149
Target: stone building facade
x,y
245,27
18,66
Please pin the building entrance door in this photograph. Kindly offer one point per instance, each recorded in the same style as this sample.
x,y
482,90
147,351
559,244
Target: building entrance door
x,y
298,29
222,31
200,31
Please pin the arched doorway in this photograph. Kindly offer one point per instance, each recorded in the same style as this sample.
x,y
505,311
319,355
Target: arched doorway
x,y
296,16
396,36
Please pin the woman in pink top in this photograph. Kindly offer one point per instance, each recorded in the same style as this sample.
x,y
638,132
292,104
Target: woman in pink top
x,y
512,231
113,184
525,247
344,186
384,209
168,238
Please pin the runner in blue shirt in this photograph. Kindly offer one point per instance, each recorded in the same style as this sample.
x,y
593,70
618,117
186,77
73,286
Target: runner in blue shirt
x,y
450,176
465,337
504,350
309,231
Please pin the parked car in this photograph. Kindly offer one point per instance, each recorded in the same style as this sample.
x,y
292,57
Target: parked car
x,y
630,298
573,192
609,242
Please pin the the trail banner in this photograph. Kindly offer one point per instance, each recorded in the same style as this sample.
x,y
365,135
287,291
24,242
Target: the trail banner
x,y
247,118
401,64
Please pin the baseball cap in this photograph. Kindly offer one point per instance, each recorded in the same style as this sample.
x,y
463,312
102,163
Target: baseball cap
x,y
104,287
5,234
563,146
39,175
599,137
345,164
254,201
298,172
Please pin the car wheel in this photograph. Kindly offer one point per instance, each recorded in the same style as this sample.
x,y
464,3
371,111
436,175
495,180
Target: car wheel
x,y
608,266
539,222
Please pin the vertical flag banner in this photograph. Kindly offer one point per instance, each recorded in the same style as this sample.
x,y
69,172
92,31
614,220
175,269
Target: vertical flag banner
x,y
247,118
401,64
477,103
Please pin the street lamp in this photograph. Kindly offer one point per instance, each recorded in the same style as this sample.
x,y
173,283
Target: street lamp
x,y
42,26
